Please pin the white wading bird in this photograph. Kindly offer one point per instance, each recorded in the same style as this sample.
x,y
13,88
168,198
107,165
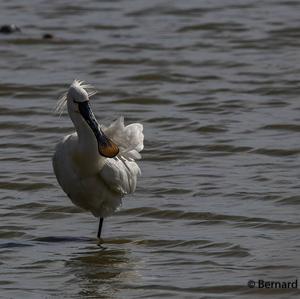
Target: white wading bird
x,y
95,166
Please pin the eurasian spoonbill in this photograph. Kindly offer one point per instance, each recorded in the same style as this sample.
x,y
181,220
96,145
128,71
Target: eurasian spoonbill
x,y
95,166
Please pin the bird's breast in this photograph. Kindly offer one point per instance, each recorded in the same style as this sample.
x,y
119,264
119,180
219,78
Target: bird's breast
x,y
87,164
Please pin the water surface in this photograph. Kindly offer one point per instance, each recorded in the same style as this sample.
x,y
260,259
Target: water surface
x,y
216,85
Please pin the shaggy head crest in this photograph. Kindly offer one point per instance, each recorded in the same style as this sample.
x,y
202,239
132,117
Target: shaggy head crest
x,y
77,84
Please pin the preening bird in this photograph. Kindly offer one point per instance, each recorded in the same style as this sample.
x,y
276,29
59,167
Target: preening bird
x,y
95,166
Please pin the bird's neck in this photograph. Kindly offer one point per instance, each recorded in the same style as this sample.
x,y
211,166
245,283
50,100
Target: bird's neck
x,y
87,155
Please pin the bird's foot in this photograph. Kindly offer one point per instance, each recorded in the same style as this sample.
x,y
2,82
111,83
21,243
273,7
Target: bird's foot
x,y
100,242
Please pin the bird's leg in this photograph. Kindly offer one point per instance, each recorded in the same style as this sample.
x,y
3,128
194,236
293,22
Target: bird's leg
x,y
99,233
100,227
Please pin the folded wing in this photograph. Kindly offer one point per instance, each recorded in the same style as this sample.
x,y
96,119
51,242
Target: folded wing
x,y
120,173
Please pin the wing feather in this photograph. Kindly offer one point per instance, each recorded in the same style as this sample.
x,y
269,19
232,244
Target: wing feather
x,y
130,139
120,175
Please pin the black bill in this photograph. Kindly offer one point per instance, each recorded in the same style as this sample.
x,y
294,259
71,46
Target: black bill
x,y
106,147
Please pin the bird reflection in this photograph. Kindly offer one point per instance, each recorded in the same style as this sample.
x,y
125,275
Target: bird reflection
x,y
101,273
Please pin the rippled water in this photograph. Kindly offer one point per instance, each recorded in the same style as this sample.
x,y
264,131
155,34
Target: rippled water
x,y
216,85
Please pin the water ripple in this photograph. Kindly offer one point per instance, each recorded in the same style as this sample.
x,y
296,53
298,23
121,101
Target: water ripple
x,y
216,86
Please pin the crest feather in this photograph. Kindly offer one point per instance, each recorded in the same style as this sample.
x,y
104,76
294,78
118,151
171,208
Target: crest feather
x,y
62,101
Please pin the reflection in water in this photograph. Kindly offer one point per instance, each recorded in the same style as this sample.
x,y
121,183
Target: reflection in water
x,y
101,272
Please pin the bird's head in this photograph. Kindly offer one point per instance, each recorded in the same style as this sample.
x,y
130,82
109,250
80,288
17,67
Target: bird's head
x,y
78,101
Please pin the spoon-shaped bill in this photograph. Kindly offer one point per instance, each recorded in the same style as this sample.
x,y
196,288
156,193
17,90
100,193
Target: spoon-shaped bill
x,y
106,147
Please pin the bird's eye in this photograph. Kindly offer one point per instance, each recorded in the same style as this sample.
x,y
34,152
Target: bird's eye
x,y
79,102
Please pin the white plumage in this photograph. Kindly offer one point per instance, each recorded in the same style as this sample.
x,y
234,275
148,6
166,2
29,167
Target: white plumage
x,y
91,179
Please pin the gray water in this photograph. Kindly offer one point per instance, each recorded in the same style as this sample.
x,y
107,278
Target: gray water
x,y
216,86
